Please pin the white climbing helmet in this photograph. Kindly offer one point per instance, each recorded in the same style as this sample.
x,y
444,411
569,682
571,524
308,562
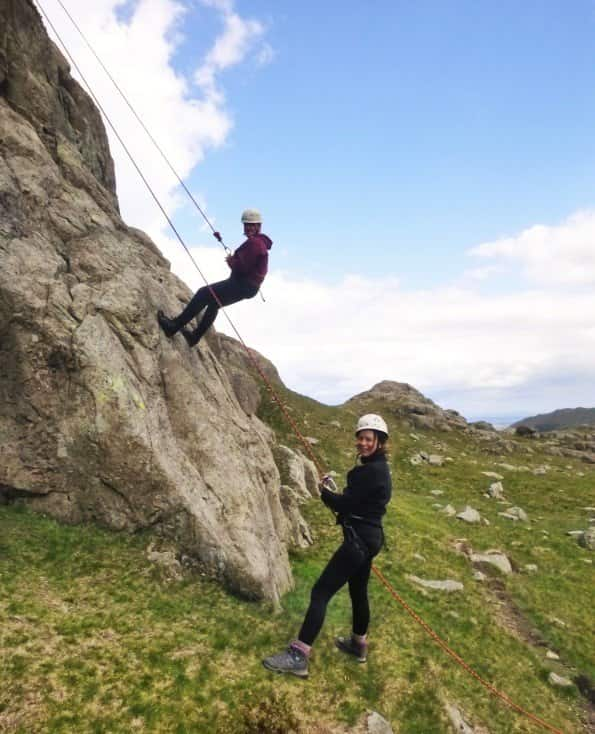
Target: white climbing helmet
x,y
251,216
372,422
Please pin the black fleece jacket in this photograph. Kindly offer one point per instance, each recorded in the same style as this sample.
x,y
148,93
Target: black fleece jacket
x,y
367,493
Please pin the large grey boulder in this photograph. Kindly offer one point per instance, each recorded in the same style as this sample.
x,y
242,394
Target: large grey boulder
x,y
103,418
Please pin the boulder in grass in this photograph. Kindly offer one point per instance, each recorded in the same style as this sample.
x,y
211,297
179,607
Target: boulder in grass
x,y
494,558
377,724
447,585
515,513
559,681
458,722
493,475
496,490
470,515
587,540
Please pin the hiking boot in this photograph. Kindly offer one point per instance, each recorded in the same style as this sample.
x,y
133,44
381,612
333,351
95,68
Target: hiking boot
x,y
192,337
291,661
349,646
169,326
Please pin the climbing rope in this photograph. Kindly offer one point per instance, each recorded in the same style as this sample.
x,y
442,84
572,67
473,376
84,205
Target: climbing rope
x,y
273,395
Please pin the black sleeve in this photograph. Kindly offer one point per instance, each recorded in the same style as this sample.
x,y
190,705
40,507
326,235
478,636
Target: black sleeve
x,y
337,502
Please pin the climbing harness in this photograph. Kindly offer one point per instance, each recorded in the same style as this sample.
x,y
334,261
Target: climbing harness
x,y
326,479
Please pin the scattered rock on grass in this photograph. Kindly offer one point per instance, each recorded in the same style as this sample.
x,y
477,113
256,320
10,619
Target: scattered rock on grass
x,y
457,720
493,475
377,724
167,561
515,513
449,511
587,540
494,558
469,514
496,490
447,585
559,681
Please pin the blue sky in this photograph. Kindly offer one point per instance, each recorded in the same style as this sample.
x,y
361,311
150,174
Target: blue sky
x,y
425,169
414,130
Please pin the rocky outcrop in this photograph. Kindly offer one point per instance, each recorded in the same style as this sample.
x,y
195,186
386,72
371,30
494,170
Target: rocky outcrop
x,y
405,402
103,418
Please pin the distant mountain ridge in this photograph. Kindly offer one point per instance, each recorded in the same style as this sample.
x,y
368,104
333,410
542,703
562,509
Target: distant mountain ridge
x,y
563,418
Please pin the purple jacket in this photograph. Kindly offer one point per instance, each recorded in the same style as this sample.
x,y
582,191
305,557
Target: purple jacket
x,y
250,261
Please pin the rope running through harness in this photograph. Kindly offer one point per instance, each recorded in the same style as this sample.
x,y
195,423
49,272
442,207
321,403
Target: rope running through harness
x,y
273,395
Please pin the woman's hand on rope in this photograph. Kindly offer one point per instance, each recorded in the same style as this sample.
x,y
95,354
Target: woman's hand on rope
x,y
327,482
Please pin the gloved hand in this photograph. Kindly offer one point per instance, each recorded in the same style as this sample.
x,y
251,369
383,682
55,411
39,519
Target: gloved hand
x,y
328,483
217,236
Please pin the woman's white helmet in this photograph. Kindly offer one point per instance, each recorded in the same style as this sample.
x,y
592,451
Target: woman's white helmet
x,y
251,216
372,422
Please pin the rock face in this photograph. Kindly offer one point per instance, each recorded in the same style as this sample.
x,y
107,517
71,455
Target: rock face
x,y
242,373
103,418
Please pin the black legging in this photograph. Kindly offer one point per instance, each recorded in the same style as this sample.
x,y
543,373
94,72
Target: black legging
x,y
228,291
350,564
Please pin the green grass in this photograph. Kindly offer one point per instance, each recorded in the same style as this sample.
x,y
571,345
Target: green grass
x,y
94,639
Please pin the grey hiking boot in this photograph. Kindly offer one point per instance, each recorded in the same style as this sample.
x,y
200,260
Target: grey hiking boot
x,y
349,646
291,661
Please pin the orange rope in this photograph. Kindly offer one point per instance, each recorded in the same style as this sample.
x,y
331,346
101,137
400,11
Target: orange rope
x,y
494,691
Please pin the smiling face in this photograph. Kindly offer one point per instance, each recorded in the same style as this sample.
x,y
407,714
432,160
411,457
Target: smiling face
x,y
251,229
366,443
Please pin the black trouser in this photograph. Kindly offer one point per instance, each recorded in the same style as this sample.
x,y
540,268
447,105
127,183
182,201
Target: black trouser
x,y
228,291
350,564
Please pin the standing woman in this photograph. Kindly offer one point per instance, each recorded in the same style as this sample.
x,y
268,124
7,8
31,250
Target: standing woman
x,y
359,510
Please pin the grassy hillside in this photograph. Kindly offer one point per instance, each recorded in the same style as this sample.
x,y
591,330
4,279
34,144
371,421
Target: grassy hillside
x,y
94,638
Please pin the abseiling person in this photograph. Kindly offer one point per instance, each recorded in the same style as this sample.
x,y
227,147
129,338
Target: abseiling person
x,y
359,511
249,266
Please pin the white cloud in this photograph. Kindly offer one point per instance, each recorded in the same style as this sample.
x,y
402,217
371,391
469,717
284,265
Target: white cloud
x,y
559,254
138,47
239,37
